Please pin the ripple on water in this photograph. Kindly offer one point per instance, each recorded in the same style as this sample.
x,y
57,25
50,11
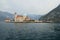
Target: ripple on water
x,y
31,31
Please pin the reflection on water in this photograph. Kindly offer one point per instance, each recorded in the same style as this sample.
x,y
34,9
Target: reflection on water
x,y
31,31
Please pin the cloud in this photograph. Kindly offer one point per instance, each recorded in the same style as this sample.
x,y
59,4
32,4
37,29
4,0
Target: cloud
x,y
28,6
4,6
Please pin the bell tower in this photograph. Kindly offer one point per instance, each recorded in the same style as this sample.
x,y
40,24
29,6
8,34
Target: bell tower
x,y
15,15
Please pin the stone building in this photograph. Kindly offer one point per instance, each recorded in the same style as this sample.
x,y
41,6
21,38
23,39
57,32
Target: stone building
x,y
20,18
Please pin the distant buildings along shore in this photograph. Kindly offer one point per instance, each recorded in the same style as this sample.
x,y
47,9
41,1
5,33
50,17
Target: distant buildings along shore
x,y
19,18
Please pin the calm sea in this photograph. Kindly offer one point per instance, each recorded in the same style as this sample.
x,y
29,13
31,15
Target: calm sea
x,y
29,31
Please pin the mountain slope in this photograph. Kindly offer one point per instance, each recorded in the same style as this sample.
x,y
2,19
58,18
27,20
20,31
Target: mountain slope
x,y
34,16
3,15
53,15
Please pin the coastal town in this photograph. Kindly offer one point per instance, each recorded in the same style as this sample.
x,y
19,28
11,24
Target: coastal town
x,y
20,18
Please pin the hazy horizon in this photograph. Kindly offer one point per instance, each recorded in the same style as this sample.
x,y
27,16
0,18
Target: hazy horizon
x,y
39,7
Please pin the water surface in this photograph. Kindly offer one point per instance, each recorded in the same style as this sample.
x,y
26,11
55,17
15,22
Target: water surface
x,y
29,31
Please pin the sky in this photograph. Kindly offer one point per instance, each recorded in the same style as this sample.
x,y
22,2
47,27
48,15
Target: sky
x,y
39,7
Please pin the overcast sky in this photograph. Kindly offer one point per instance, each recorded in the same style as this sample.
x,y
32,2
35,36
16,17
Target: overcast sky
x,y
40,7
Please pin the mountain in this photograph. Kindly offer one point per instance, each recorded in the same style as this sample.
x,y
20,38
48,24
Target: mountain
x,y
53,15
4,15
34,16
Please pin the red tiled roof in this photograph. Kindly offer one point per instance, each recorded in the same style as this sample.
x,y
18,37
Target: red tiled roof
x,y
18,16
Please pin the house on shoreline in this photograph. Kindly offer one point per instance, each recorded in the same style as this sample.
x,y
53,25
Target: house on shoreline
x,y
7,20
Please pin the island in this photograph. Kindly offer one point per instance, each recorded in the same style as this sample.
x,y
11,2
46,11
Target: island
x,y
21,19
